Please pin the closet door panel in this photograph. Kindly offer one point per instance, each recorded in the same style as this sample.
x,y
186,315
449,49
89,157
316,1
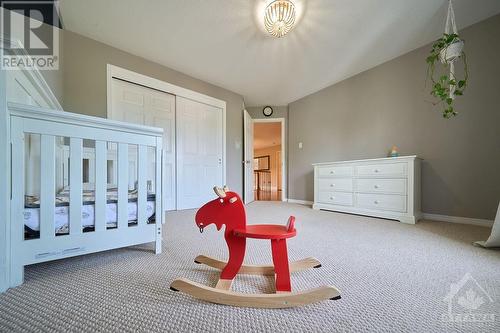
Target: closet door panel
x,y
127,102
160,112
145,106
199,153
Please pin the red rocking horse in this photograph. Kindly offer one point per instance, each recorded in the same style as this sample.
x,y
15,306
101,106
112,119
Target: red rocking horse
x,y
228,210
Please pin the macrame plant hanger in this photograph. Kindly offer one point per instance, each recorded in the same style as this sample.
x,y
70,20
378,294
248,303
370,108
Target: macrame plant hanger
x,y
450,23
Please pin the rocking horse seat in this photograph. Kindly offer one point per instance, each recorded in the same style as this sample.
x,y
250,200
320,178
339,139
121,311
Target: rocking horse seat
x,y
268,231
265,231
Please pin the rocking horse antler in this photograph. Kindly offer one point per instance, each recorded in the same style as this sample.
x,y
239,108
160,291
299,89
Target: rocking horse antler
x,y
221,193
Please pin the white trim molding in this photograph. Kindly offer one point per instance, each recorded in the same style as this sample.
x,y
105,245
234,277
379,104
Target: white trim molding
x,y
133,77
457,219
284,166
300,202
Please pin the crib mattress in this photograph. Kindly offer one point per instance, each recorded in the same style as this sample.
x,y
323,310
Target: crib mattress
x,y
61,216
62,209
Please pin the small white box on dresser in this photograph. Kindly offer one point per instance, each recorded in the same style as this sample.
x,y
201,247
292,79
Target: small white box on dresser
x,y
381,187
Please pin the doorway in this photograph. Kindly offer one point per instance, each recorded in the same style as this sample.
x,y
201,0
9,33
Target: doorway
x,y
268,161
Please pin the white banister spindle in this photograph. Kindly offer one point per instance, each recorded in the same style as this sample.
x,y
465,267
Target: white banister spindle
x,y
142,160
158,191
75,184
122,185
47,186
100,185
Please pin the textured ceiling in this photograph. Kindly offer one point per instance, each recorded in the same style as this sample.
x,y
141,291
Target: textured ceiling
x,y
222,42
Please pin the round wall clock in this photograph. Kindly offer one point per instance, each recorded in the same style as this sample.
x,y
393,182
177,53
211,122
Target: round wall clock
x,y
267,111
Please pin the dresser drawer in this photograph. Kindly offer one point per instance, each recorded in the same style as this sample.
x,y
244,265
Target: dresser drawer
x,y
394,186
391,202
387,170
335,184
335,171
335,198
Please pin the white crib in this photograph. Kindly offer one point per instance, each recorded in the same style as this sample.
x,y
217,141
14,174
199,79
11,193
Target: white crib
x,y
50,126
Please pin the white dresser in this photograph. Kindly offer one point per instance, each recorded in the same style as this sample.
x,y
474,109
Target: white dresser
x,y
381,187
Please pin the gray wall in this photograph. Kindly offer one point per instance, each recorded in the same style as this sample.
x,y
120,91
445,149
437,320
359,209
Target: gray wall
x,y
363,116
84,78
278,112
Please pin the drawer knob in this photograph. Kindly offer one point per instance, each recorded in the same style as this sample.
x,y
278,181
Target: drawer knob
x,y
376,202
331,198
332,185
332,172
376,170
376,186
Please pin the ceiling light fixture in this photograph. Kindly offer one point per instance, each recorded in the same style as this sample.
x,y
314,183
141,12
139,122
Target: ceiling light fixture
x,y
279,17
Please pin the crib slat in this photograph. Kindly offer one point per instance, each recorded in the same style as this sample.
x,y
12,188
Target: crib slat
x,y
142,160
75,184
122,185
100,185
47,186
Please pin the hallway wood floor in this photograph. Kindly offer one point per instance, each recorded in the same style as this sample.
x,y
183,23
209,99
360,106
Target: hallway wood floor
x,y
261,195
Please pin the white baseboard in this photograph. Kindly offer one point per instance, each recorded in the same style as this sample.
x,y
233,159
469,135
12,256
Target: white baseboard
x,y
427,216
300,202
457,219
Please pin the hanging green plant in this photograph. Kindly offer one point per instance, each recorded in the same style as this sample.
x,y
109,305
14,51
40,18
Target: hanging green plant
x,y
445,51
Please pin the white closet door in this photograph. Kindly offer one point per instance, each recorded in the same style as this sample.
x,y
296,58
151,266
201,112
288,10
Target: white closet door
x,y
140,105
128,102
199,152
160,112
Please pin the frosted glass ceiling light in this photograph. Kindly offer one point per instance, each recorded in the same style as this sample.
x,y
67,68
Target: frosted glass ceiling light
x,y
279,17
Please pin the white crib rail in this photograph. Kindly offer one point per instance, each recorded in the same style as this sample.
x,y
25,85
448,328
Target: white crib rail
x,y
49,125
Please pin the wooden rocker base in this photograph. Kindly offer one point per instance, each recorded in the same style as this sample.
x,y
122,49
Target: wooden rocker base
x,y
269,301
295,266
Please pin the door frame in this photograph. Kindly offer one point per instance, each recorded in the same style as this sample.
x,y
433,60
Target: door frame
x,y
283,151
113,71
248,191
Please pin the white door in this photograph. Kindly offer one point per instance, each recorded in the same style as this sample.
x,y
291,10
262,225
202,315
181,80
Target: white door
x,y
248,157
199,140
140,105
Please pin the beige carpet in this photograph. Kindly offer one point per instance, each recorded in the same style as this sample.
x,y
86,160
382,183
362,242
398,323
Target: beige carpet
x,y
393,277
